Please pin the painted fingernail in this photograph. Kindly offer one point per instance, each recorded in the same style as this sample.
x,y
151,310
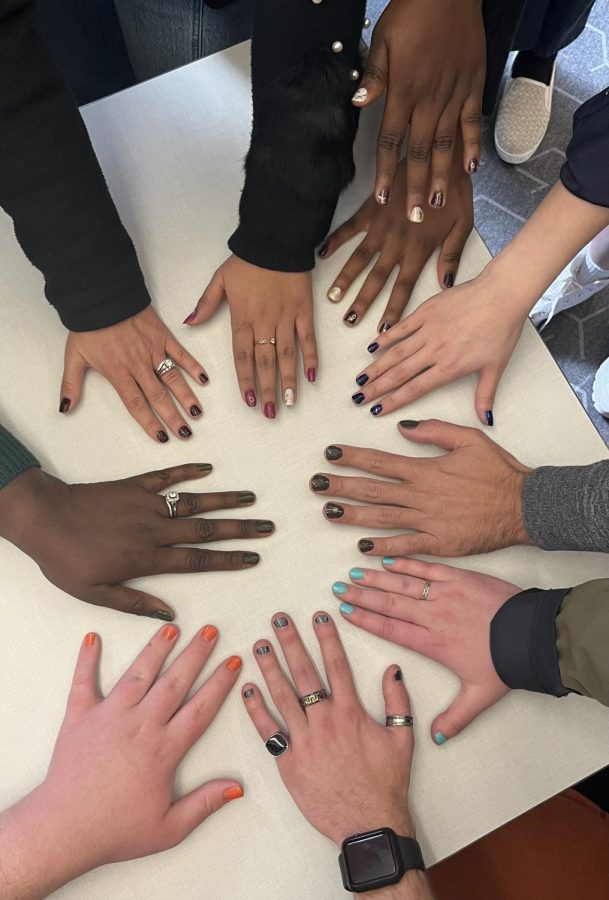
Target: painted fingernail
x,y
90,639
397,675
64,405
250,398
263,650
449,280
360,96
248,692
311,375
162,437
488,415
169,632
269,410
334,294
195,410
365,546
416,214
184,431
321,619
233,793
333,452
234,663
346,608
280,622
209,633
339,588
362,379
203,378
350,318
333,511
358,398
356,573
388,561
438,199
189,318
288,397
473,166
320,483
384,327
251,559
322,250
162,614
204,467
246,497
377,409
373,347
263,526
439,738
409,423
383,197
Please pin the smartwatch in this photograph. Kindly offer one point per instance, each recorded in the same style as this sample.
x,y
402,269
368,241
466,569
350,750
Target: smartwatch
x,y
375,859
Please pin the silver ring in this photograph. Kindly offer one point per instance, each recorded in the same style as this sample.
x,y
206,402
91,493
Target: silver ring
x,y
392,721
267,341
426,588
313,698
172,498
164,367
277,744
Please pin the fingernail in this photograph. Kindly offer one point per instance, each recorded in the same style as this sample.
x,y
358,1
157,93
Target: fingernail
x,y
356,573
169,632
320,483
437,199
263,650
248,692
311,375
321,619
377,409
397,675
184,431
362,379
195,410
439,738
162,614
373,347
473,166
246,497
416,214
263,526
251,559
449,280
388,561
288,397
209,633
64,405
339,588
365,546
360,96
334,294
322,250
346,608
189,317
409,423
162,437
280,622
234,663
358,398
333,452
250,398
204,467
383,197
203,378
488,415
90,639
333,511
269,410
350,318
384,327
233,793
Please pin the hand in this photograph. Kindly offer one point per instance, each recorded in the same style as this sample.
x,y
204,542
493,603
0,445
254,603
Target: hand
x,y
467,501
473,329
345,772
432,62
400,243
109,792
452,626
127,355
89,538
264,304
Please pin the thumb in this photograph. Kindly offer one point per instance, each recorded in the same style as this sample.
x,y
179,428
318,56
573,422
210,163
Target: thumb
x,y
488,380
188,812
374,78
212,297
434,431
74,368
129,600
471,700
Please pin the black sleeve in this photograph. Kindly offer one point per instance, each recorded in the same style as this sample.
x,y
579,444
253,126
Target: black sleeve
x,y
305,62
53,188
586,171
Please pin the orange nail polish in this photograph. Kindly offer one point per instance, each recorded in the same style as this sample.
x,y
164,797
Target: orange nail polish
x,y
209,633
233,793
169,632
90,639
234,663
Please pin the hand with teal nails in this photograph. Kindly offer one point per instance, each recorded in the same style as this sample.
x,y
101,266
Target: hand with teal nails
x,y
451,626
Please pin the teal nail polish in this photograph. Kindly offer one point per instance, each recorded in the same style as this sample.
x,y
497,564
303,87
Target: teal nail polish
x,y
346,608
439,738
339,587
356,574
388,561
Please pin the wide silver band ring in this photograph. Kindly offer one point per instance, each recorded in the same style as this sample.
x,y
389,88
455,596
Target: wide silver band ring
x,y
313,698
278,744
164,367
393,721
426,588
267,341
172,498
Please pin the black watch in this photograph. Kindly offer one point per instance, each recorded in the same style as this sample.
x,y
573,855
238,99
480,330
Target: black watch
x,y
377,858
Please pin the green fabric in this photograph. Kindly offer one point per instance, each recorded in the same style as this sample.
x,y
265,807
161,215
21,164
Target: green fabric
x,y
582,640
14,457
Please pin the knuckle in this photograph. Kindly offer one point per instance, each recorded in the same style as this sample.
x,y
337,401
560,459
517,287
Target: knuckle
x,y
243,357
338,665
473,118
387,518
419,151
157,394
374,73
378,461
137,606
192,504
266,362
387,629
198,561
163,475
374,490
389,604
286,352
361,254
443,141
282,695
206,530
135,403
244,528
452,256
233,559
389,143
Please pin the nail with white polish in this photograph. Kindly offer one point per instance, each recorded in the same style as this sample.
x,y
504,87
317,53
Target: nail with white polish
x,y
360,96
288,397
416,214
334,294
383,197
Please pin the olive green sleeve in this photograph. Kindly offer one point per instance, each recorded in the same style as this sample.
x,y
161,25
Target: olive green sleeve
x,y
582,640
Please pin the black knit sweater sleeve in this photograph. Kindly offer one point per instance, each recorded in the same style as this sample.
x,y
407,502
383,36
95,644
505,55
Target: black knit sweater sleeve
x,y
53,188
305,59
586,171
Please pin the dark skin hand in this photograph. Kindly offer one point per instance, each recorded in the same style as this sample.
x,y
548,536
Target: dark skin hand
x,y
88,539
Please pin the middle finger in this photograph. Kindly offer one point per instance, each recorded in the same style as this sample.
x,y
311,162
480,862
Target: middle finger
x,y
206,531
266,370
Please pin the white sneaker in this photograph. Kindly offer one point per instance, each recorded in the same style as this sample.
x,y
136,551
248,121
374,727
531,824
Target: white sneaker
x,y
600,389
564,293
522,118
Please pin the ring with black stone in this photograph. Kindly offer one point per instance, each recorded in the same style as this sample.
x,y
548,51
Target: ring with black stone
x,y
277,744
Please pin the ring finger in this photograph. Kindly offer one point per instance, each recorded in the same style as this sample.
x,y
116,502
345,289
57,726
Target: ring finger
x,y
404,585
266,370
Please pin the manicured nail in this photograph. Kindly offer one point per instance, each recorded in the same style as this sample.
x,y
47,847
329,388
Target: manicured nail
x,y
322,250
248,692
334,511
250,398
90,639
373,347
360,96
162,437
339,588
311,375
203,378
365,546
320,483
362,379
169,632
263,526
384,327
184,431
358,398
350,318
334,294
409,423
195,410
321,619
488,415
383,197
333,452
346,608
416,214
189,317
397,675
473,166
439,738
246,497
263,650
251,559
356,573
438,199
204,467
377,409
64,405
280,622
449,280
288,397
162,614
233,793
234,663
209,633
388,561
269,410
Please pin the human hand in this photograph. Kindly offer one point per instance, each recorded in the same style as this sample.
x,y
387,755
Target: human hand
x,y
432,62
400,243
452,626
264,306
345,772
89,538
127,355
467,501
109,794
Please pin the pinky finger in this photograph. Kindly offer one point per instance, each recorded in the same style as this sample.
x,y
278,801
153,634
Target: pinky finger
x,y
343,233
256,707
471,117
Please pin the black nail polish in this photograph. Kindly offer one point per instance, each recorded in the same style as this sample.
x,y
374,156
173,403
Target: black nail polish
x,y
263,526
64,405
321,619
248,692
280,622
365,546
195,410
473,166
162,614
203,378
262,651
246,497
397,675
184,431
204,467
383,197
373,347
449,280
334,511
409,423
488,415
362,379
384,327
358,398
251,559
162,436
320,483
350,318
377,409
322,250
437,199
333,452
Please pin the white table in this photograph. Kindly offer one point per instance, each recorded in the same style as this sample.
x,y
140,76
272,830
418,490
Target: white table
x,y
172,152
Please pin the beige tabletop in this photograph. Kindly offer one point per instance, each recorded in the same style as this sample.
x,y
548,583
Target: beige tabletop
x,y
172,152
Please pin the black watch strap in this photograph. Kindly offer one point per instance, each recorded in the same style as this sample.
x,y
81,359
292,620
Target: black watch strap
x,y
405,851
410,851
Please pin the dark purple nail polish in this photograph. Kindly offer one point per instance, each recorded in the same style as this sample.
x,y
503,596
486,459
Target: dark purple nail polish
x,y
64,405
334,511
365,546
250,398
184,431
319,483
358,398
384,327
377,409
311,375
397,675
473,166
189,317
350,318
333,453
488,415
270,410
373,347
438,199
195,410
162,436
449,280
361,379
322,250
203,378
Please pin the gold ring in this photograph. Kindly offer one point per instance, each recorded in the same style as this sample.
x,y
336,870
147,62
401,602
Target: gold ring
x,y
313,698
426,588
267,341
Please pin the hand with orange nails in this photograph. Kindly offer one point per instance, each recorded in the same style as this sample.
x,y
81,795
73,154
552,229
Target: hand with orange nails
x,y
432,61
451,625
109,794
271,314
88,539
400,243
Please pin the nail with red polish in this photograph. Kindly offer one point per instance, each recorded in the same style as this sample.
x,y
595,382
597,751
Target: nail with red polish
x,y
270,410
250,398
311,375
64,405
189,318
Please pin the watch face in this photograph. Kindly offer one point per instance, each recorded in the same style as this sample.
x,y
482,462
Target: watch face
x,y
370,858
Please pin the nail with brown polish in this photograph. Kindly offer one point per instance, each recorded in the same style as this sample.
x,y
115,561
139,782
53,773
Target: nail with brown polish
x,y
365,546
209,633
332,452
384,327
169,632
184,431
334,511
263,526
203,378
350,318
162,436
437,199
195,410
473,166
320,483
234,663
64,405
250,398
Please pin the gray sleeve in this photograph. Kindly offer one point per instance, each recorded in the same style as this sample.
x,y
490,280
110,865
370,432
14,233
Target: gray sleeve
x,y
567,507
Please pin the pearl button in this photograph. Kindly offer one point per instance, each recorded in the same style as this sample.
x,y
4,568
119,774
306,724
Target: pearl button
x,y
337,47
353,74
367,22
317,2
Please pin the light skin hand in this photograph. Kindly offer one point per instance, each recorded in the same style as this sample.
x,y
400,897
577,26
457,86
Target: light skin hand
x,y
127,355
264,304
88,539
467,501
451,627
109,794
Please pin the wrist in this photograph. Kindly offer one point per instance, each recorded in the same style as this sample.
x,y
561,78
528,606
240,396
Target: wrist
x,y
399,820
22,503
503,281
516,532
